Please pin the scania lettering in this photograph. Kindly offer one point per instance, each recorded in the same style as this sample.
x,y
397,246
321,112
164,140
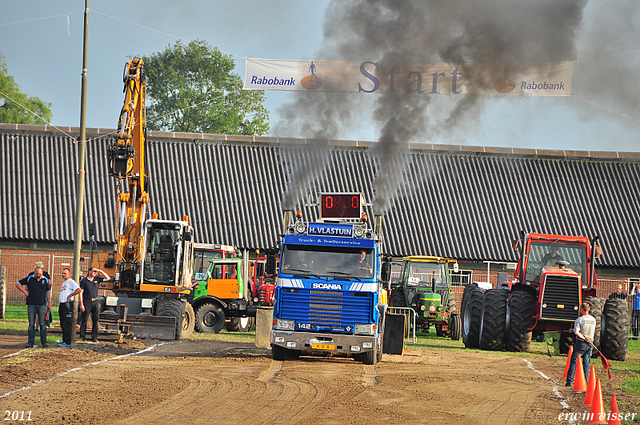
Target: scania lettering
x,y
329,294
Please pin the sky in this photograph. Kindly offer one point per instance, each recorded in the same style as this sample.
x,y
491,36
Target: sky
x,y
41,42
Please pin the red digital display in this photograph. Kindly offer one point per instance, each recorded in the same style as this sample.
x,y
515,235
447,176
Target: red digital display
x,y
340,205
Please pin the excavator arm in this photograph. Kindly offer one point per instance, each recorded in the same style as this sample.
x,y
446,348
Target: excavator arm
x,y
126,164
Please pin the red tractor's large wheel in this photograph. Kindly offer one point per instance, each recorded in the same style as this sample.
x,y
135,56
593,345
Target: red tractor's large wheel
x,y
520,320
472,316
494,314
596,307
615,329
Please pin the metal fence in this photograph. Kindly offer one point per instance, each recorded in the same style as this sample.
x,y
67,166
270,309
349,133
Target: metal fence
x,y
19,266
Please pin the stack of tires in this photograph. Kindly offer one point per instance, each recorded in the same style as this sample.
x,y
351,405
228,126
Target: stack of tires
x,y
497,319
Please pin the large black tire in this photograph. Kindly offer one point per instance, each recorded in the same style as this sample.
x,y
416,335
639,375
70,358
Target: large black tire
x,y
171,308
472,317
188,321
567,339
494,314
398,298
240,324
520,320
210,318
455,327
615,329
596,307
452,308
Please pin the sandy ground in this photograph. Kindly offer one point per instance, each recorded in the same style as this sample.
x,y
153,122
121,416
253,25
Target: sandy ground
x,y
235,383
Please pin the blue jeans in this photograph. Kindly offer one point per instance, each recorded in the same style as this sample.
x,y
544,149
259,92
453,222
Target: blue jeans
x,y
39,310
580,348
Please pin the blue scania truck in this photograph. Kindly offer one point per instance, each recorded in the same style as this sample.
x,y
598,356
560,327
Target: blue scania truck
x,y
330,298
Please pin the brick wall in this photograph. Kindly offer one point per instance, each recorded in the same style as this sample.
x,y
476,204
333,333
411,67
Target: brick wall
x,y
19,263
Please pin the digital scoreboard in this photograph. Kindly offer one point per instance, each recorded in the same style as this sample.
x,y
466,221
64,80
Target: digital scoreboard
x,y
340,206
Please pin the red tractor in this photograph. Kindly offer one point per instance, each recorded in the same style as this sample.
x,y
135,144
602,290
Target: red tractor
x,y
263,284
554,275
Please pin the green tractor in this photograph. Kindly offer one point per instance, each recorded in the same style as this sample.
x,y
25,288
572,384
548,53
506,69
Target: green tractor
x,y
425,287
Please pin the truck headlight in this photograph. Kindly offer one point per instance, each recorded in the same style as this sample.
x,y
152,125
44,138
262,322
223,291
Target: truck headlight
x,y
285,324
364,329
301,227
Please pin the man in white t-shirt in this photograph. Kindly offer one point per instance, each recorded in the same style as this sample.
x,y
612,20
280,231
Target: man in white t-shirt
x,y
68,289
584,328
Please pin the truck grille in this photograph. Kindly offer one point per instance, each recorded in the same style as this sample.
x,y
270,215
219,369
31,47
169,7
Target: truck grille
x,y
326,308
561,297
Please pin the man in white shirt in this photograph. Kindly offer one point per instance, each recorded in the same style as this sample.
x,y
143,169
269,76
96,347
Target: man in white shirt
x,y
585,328
68,289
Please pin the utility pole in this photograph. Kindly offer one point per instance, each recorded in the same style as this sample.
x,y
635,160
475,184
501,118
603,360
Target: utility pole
x,y
81,173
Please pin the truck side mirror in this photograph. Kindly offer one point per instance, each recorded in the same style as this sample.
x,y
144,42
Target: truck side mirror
x,y
385,272
186,236
271,265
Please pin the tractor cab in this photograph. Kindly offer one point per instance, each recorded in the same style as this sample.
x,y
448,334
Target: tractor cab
x,y
425,286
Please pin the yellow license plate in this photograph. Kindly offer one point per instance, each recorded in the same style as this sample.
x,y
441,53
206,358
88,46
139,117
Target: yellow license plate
x,y
323,346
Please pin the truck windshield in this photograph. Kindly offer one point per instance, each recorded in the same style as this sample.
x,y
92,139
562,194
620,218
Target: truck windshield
x,y
201,262
424,274
545,254
340,263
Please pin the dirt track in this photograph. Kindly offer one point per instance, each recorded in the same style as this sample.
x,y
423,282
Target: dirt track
x,y
233,383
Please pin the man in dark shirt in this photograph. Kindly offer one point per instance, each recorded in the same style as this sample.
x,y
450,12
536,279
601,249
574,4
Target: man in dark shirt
x,y
37,288
89,302
619,294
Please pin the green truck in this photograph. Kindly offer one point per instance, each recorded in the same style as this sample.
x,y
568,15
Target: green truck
x,y
425,286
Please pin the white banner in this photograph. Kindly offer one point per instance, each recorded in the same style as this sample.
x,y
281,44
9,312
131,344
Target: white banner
x,y
517,79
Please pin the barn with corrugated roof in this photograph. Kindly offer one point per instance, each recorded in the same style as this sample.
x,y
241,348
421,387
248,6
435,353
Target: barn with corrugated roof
x,y
457,201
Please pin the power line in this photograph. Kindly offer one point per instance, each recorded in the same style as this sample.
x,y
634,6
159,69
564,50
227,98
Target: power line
x,y
39,19
605,108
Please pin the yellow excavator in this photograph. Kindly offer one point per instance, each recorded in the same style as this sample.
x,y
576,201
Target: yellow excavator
x,y
152,261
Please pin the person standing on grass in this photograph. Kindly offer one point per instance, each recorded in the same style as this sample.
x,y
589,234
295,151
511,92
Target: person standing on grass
x,y
37,289
89,303
584,328
635,314
68,289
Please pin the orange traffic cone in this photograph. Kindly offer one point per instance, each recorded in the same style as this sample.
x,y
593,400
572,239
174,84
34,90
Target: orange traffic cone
x,y
614,413
579,383
590,387
566,367
597,415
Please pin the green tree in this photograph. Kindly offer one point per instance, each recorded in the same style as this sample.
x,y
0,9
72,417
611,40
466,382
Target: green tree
x,y
17,107
191,88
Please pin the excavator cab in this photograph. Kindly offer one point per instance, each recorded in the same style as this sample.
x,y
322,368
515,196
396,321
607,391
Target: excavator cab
x,y
168,253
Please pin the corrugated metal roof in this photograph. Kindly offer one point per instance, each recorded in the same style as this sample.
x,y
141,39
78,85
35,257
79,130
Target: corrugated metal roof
x,y
460,202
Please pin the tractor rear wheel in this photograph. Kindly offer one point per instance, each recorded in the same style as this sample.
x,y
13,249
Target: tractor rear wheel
x,y
452,308
398,298
472,316
615,329
455,327
171,308
188,321
240,324
596,306
520,318
210,318
494,314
